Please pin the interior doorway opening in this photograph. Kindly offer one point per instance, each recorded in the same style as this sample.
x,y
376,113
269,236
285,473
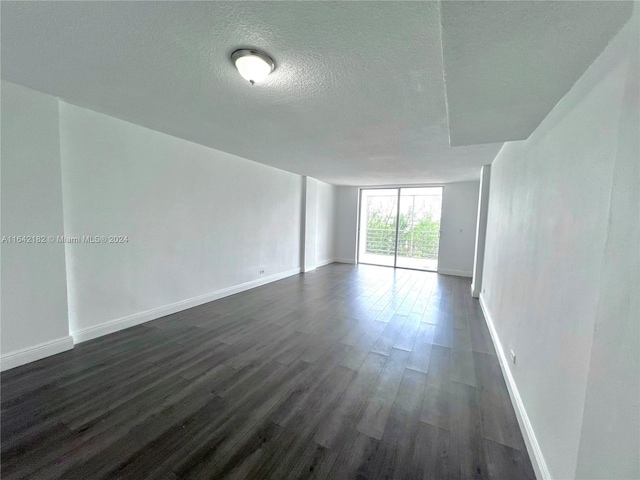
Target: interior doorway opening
x,y
400,227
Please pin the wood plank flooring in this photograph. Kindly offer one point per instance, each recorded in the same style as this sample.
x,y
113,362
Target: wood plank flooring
x,y
345,372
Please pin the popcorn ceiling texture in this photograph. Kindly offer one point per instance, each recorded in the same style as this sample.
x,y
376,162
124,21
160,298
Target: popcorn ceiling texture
x,y
358,94
507,64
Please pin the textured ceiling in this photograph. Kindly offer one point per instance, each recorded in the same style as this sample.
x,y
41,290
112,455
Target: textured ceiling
x,y
357,97
508,63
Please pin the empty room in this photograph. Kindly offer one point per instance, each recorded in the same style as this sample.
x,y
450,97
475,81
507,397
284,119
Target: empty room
x,y
320,240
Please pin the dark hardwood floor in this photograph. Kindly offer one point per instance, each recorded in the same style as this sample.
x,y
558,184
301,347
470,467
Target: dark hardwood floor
x,y
346,372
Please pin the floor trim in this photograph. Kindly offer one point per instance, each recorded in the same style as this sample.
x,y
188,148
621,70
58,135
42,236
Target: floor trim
x,y
535,453
36,352
322,263
345,260
112,326
457,273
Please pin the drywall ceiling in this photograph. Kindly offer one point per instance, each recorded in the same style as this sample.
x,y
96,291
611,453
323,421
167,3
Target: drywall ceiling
x,y
357,97
507,64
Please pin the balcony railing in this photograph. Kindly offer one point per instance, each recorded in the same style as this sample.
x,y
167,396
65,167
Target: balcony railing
x,y
411,243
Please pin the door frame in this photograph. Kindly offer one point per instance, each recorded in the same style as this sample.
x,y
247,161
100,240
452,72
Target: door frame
x,y
395,255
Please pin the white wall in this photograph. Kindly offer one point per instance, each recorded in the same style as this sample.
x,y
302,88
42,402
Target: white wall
x,y
481,230
200,224
458,227
560,280
346,224
609,439
310,224
326,223
34,288
198,221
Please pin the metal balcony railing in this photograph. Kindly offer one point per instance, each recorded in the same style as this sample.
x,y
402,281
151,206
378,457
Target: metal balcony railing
x,y
411,243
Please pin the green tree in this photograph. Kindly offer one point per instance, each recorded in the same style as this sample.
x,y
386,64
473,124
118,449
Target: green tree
x,y
418,232
381,229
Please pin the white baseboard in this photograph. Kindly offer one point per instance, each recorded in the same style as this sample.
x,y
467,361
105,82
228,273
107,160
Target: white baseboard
x,y
37,352
535,453
457,273
322,263
345,260
112,326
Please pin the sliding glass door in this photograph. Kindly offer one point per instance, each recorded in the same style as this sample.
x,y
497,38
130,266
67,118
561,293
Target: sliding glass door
x,y
419,228
400,227
378,215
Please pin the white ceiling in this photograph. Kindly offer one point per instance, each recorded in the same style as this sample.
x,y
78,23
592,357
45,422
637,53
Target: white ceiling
x,y
508,63
357,97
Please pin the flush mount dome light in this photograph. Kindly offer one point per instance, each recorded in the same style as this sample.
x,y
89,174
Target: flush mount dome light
x,y
253,65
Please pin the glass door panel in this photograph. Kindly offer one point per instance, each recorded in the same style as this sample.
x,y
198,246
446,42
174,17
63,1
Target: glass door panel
x,y
378,217
419,228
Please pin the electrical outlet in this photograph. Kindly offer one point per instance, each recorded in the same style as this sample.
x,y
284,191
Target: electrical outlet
x,y
513,356
261,271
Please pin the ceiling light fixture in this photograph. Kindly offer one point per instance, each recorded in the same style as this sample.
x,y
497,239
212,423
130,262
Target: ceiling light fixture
x,y
253,65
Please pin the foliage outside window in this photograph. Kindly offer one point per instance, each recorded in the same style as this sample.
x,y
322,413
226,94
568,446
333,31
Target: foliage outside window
x,y
418,232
